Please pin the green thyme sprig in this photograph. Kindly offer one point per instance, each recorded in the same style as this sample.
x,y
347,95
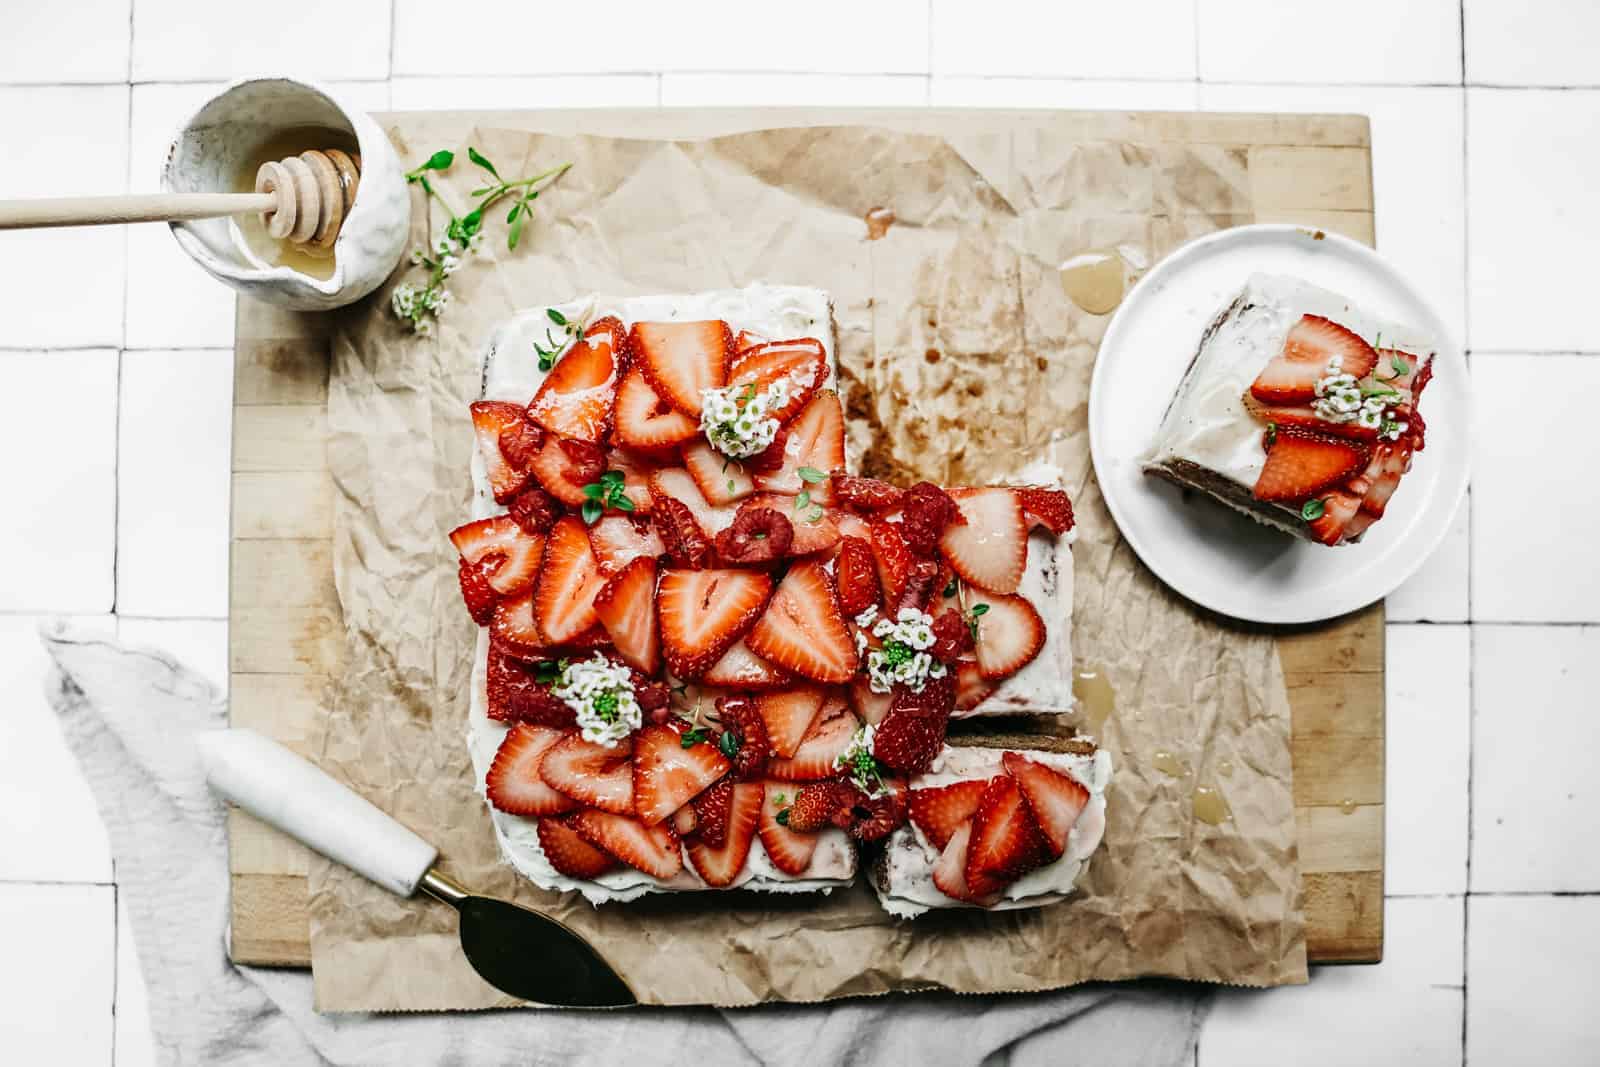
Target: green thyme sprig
x,y
977,612
571,330
1312,509
802,503
611,491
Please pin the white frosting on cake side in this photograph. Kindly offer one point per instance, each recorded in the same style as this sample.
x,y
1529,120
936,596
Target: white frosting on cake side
x,y
1207,424
909,856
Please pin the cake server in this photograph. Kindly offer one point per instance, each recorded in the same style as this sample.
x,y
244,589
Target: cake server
x,y
521,952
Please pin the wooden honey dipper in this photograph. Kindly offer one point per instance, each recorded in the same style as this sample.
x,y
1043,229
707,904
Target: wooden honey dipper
x,y
302,199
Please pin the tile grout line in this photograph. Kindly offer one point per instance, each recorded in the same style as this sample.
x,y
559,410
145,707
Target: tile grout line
x,y
116,972
116,480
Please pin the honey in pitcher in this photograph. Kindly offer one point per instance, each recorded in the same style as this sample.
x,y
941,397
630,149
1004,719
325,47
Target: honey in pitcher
x,y
252,233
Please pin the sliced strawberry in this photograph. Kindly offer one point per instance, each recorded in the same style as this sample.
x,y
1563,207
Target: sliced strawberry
x,y
815,440
822,804
1010,634
802,363
789,714
802,631
561,476
703,613
647,422
1006,842
867,494
746,339
1358,525
571,854
678,484
681,358
1047,508
950,872
655,850
578,396
720,865
626,605
812,532
871,708
518,443
596,776
1291,376
514,627
513,692
517,551
563,602
823,744
513,784
1300,465
636,473
476,592
940,811
990,549
720,479
489,419
683,538
855,569
711,809
666,776
1055,799
617,541
1338,509
908,740
789,850
972,688
894,559
1304,417
739,668
1390,462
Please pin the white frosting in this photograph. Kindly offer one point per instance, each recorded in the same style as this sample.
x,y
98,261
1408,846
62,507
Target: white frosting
x,y
511,372
1207,423
909,856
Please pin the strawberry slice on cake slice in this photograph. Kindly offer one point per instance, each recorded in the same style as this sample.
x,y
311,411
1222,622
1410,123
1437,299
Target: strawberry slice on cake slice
x,y
655,850
801,364
990,547
491,419
569,581
813,448
513,784
802,630
508,556
578,397
703,612
720,864
626,606
682,359
1312,346
647,423
827,739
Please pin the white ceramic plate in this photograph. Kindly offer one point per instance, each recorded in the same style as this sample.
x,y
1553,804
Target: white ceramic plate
x,y
1209,553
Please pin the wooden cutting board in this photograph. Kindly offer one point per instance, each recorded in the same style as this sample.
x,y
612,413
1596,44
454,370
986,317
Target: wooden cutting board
x,y
284,635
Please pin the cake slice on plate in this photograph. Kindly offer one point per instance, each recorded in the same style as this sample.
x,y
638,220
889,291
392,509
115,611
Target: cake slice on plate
x,y
1299,410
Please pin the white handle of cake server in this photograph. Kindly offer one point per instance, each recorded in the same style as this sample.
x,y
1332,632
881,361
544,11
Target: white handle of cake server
x,y
305,802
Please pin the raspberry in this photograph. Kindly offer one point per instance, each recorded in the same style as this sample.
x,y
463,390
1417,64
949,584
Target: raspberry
x,y
951,636
587,460
520,441
711,811
534,510
877,817
920,533
937,697
867,494
476,590
934,502
515,695
769,459
740,718
758,535
856,571
685,542
650,696
920,582
908,741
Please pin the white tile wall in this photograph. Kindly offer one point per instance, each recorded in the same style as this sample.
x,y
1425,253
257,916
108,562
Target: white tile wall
x,y
1534,501
1535,801
58,942
1484,195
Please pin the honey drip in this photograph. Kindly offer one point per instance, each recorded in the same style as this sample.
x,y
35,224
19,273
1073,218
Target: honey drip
x,y
1096,700
252,232
1170,765
878,221
1094,280
1210,806
1348,806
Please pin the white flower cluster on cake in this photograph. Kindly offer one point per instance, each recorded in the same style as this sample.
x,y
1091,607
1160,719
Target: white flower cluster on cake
x,y
735,420
903,659
859,764
601,694
1340,399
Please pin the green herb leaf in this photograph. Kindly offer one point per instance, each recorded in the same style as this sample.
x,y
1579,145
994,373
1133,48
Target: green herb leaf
x,y
440,160
610,478
803,500
477,157
979,610
783,817
1272,435
1312,510
729,744
472,221
516,230
545,362
483,190
556,316
516,209
591,511
950,590
730,486
622,503
546,672
594,490
1401,367
780,798
812,475
693,737
815,516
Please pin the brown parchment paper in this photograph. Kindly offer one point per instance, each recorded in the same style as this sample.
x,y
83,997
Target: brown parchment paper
x,y
960,357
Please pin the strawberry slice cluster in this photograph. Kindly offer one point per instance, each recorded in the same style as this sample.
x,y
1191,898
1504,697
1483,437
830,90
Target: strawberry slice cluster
x,y
701,629
1335,466
990,832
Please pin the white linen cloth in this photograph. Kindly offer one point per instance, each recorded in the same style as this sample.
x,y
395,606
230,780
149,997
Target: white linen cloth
x,y
129,717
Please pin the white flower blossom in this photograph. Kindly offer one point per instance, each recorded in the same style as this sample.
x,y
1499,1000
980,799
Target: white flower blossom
x,y
600,693
903,659
734,419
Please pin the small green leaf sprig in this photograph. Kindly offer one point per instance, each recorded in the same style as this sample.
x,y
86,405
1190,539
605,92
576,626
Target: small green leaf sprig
x,y
610,491
811,512
419,305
